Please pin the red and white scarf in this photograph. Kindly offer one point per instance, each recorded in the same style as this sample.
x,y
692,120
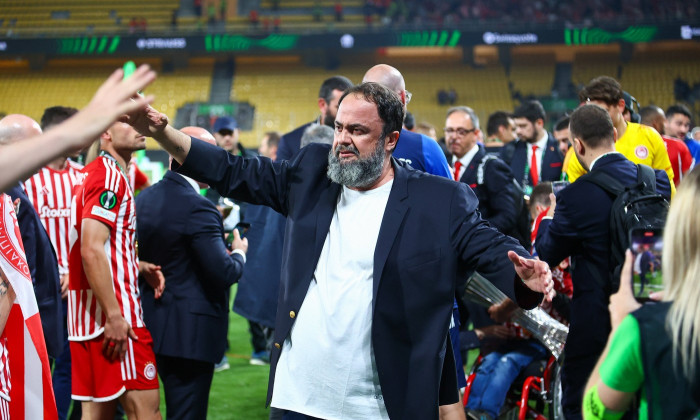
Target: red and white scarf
x,y
31,392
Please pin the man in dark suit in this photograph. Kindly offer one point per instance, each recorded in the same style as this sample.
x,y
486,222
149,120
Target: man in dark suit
x,y
41,257
580,227
331,90
374,252
494,187
535,157
181,231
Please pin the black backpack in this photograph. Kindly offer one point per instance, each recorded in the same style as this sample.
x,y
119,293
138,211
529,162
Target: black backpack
x,y
634,206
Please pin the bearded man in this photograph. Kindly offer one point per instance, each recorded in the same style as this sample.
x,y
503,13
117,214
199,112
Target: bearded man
x,y
374,252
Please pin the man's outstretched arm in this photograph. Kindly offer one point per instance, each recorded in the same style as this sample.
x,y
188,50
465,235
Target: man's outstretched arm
x,y
114,98
149,122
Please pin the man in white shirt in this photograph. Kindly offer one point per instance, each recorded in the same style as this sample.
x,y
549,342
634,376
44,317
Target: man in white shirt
x,y
374,253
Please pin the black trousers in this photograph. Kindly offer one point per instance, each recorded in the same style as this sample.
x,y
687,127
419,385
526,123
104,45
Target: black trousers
x,y
186,384
574,376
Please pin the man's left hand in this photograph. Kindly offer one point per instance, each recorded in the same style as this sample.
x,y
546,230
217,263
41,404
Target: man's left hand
x,y
535,274
154,277
146,120
64,285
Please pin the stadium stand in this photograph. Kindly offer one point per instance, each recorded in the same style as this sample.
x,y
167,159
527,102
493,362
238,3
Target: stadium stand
x,y
61,17
285,103
532,74
586,66
650,76
73,83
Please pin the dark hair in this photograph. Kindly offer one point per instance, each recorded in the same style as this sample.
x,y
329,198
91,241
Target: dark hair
x,y
602,88
273,138
562,123
56,115
389,105
649,114
592,125
497,120
333,83
532,110
678,109
540,194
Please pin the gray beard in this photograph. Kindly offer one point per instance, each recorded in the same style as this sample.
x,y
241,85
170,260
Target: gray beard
x,y
359,173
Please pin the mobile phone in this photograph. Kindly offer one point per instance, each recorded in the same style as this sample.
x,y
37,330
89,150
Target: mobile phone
x,y
242,228
558,186
647,275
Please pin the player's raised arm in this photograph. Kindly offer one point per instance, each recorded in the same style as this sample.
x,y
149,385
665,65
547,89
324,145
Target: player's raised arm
x,y
151,123
113,99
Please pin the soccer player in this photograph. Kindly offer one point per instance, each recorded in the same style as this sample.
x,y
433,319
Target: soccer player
x,y
105,323
51,191
636,142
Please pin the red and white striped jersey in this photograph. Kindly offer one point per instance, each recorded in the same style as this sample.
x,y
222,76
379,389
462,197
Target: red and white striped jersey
x,y
51,192
4,368
137,179
105,195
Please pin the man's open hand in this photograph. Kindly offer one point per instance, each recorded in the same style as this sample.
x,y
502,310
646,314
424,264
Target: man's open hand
x,y
146,120
117,96
154,277
535,274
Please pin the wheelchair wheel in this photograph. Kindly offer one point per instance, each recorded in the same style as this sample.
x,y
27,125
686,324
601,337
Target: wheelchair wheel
x,y
554,406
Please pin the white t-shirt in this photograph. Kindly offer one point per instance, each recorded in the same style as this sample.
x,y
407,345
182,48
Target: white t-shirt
x,y
327,366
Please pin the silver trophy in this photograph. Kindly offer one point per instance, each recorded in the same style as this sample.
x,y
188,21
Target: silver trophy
x,y
546,329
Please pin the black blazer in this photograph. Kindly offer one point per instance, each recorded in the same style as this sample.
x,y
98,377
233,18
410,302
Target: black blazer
x,y
581,229
496,201
182,232
515,155
290,143
430,239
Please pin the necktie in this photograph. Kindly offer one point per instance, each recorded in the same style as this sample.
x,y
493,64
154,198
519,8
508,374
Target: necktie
x,y
458,166
533,166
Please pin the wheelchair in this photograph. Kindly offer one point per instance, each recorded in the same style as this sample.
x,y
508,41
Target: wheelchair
x,y
537,387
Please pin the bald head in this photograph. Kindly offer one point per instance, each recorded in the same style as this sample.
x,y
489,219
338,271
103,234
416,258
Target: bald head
x,y
388,76
653,116
16,127
200,133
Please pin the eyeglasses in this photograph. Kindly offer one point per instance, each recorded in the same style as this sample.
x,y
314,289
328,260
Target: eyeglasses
x,y
459,131
409,95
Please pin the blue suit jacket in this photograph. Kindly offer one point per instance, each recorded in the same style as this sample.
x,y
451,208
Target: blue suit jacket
x,y
41,259
424,253
182,232
422,153
515,155
581,229
290,143
256,297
